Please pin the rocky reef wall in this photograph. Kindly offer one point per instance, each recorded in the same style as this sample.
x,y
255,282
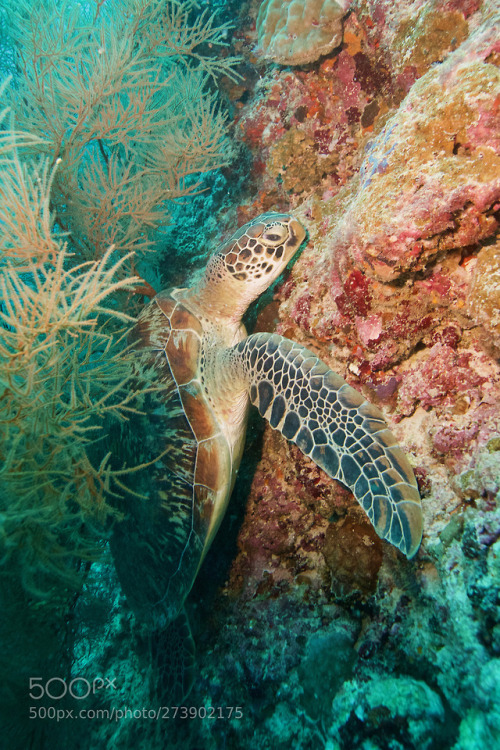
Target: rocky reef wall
x,y
388,152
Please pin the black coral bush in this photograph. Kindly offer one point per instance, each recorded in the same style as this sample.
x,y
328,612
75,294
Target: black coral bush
x,y
62,368
108,117
118,91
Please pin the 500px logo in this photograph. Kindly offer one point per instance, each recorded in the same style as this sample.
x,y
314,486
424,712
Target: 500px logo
x,y
58,687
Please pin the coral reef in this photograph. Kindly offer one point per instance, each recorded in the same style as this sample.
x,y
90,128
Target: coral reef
x,y
376,702
294,33
387,149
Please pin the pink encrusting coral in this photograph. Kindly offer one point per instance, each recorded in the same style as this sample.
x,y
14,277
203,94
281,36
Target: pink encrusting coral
x,y
430,181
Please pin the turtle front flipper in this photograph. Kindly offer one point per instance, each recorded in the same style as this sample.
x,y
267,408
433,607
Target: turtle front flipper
x,y
333,424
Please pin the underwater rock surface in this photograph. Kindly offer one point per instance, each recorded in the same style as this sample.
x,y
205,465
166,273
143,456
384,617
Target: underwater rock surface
x,y
388,151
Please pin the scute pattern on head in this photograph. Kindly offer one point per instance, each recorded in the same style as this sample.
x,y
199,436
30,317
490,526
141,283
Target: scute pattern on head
x,y
243,267
257,248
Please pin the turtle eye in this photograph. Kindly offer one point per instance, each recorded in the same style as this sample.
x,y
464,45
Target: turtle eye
x,y
275,234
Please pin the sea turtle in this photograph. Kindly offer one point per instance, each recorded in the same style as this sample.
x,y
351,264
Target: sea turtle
x,y
203,371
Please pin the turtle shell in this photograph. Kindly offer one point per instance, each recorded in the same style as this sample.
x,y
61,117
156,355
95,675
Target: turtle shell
x,y
180,492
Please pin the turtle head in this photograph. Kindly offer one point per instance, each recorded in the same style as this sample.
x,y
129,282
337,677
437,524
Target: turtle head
x,y
259,251
244,266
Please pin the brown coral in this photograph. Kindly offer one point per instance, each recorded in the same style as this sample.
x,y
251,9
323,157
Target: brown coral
x,y
296,161
353,552
295,33
484,299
